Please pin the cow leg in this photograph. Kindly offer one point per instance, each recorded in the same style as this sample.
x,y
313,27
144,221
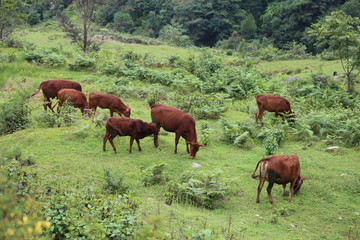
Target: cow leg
x,y
284,186
156,140
106,137
111,138
131,143
268,189
259,115
138,143
177,137
47,103
187,146
261,184
111,113
59,106
292,184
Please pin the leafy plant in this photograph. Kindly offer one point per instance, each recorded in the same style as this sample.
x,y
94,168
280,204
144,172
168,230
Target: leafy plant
x,y
272,138
154,175
199,189
114,183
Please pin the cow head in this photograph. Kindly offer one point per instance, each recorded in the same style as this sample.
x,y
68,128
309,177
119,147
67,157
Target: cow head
x,y
291,117
154,128
194,148
298,184
127,112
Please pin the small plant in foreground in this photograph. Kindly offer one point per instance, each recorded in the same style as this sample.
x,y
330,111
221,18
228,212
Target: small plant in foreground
x,y
199,189
154,175
114,183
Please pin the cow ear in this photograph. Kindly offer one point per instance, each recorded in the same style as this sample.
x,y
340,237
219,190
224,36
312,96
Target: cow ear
x,y
304,178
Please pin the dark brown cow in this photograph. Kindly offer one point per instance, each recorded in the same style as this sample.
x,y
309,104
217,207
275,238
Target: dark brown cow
x,y
122,126
174,120
76,97
114,104
279,105
279,169
51,88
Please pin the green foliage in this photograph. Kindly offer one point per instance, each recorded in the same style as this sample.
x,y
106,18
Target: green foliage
x,y
20,216
82,62
239,134
14,111
205,134
47,57
175,34
199,189
123,22
114,183
341,32
88,214
154,175
272,138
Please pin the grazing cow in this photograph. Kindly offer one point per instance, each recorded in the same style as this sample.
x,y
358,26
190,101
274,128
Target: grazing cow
x,y
51,88
279,169
279,105
114,104
174,120
74,96
122,126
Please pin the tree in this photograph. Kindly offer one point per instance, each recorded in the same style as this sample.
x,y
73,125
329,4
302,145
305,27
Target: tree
x,y
81,33
248,27
342,34
10,15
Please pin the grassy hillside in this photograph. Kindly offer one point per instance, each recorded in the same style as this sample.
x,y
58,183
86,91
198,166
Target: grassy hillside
x,y
68,156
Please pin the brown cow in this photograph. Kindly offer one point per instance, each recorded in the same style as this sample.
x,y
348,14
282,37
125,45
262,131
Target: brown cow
x,y
51,88
114,104
74,96
279,169
122,126
279,105
174,120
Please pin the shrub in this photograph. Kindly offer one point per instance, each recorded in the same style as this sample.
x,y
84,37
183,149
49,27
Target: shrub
x,y
20,216
88,214
82,62
199,189
114,183
239,134
14,111
154,175
272,138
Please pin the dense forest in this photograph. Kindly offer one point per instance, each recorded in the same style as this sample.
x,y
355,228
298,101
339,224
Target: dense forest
x,y
204,22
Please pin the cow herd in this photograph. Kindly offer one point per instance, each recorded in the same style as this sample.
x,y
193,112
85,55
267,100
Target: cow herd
x,y
279,169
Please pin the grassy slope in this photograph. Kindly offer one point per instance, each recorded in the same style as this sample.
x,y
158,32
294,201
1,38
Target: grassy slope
x,y
325,208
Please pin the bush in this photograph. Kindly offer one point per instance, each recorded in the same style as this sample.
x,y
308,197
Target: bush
x,y
88,214
14,111
154,175
272,138
20,216
199,189
239,134
114,183
82,62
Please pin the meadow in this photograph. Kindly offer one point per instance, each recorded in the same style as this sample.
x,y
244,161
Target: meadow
x,y
69,166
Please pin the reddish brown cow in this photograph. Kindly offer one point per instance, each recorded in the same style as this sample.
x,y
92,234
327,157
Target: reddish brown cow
x,y
122,126
174,120
279,105
114,104
51,88
74,96
279,169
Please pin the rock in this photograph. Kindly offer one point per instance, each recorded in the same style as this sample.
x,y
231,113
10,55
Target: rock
x,y
196,165
330,149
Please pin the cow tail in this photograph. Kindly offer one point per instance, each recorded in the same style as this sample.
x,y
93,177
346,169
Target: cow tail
x,y
33,94
257,165
253,175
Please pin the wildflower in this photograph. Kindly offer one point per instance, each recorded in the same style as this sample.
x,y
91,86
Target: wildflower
x,y
38,228
25,219
10,232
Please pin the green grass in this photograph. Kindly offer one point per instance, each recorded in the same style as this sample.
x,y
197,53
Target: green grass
x,y
326,208
300,68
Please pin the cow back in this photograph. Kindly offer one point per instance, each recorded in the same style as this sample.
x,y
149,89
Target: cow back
x,y
51,88
284,167
273,103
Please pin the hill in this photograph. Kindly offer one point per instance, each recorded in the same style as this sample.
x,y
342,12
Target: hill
x,y
61,164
